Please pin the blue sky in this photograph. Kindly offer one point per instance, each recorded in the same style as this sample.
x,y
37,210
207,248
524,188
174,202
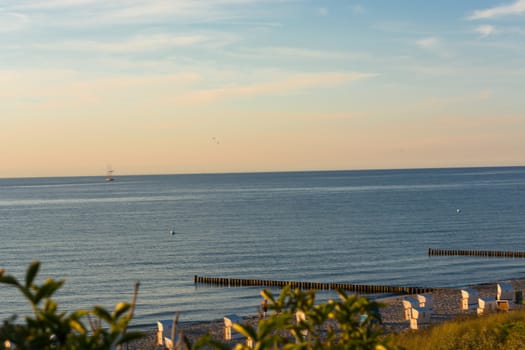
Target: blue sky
x,y
244,85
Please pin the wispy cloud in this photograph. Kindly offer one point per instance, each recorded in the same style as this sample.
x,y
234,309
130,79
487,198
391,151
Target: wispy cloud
x,y
138,43
485,30
98,12
66,85
516,8
11,21
428,43
284,86
51,4
435,46
297,52
479,96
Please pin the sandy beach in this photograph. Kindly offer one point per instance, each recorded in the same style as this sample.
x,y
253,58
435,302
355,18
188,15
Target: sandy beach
x,y
446,304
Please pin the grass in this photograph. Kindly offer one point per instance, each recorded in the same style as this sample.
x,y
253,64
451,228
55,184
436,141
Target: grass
x,y
493,331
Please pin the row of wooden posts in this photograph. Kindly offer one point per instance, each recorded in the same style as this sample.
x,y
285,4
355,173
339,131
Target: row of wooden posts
x,y
358,288
487,253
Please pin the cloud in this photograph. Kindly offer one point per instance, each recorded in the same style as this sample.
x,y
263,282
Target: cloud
x,y
12,21
516,8
435,46
74,89
52,4
297,52
428,43
475,97
138,43
287,85
73,13
485,30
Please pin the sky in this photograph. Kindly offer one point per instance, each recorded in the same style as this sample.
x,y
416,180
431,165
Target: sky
x,y
213,86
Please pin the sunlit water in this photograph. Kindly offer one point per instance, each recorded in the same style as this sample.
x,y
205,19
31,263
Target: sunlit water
x,y
361,227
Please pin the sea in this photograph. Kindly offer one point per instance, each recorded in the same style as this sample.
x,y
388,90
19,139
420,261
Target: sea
x,y
361,227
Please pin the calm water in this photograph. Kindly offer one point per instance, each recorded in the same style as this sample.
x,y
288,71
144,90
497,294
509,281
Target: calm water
x,y
370,227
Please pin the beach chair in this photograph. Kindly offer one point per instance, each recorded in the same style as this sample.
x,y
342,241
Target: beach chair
x,y
300,316
486,305
469,299
164,334
418,317
229,320
504,291
407,309
415,314
424,300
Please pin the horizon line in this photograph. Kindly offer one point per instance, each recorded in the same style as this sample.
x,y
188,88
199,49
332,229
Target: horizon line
x,y
270,171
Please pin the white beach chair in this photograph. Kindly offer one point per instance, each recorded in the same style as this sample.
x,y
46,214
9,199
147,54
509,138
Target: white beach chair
x,y
299,317
415,314
486,305
425,300
407,309
418,317
229,320
469,299
164,334
504,291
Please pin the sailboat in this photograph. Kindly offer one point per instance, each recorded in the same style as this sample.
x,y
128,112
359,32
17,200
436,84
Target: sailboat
x,y
109,176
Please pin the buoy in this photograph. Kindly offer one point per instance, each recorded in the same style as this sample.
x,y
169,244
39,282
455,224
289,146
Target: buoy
x,y
458,211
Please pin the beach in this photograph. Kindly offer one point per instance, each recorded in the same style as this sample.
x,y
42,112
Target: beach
x,y
445,305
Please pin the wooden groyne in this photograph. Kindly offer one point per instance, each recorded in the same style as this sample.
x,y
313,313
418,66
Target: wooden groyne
x,y
358,288
487,253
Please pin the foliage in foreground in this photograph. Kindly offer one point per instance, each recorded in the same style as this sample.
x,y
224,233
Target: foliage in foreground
x,y
332,325
350,323
493,331
47,328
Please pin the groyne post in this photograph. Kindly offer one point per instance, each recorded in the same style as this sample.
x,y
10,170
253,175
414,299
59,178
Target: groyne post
x,y
358,288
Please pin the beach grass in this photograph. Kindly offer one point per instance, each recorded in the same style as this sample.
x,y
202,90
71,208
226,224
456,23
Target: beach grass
x,y
494,331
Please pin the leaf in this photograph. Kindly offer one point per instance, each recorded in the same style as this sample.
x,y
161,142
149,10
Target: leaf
x,y
266,294
78,326
9,280
46,291
245,330
120,309
51,306
31,273
102,313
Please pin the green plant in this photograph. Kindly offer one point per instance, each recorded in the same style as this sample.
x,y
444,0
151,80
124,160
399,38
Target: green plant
x,y
47,328
296,322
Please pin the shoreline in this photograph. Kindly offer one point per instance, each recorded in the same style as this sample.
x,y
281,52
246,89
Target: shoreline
x,y
446,304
